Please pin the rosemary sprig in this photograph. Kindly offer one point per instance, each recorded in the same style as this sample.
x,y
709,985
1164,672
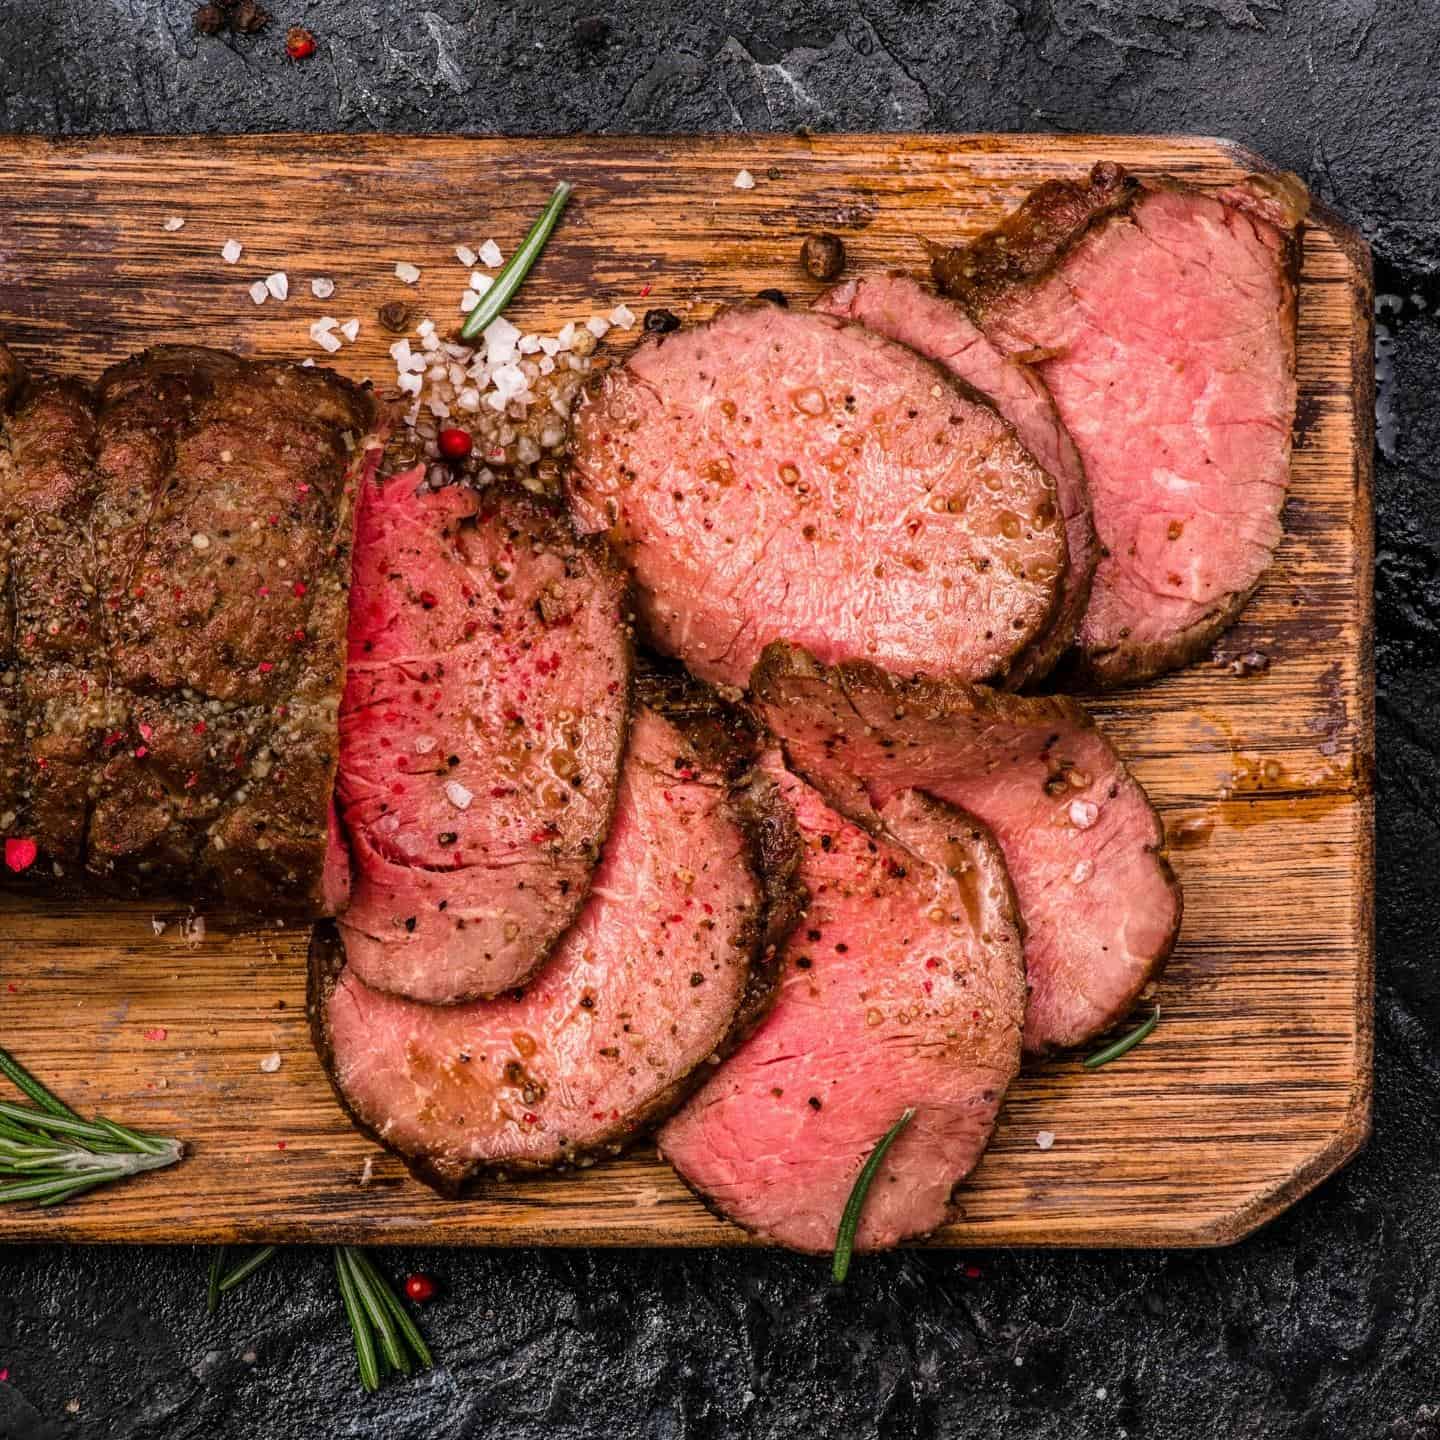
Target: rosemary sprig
x,y
54,1155
512,276
222,1281
1124,1044
386,1338
850,1217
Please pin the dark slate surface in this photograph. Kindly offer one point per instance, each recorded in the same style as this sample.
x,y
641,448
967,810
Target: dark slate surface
x,y
1328,1323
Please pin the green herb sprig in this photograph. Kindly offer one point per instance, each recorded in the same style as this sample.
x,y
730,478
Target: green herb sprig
x,y
51,1154
1124,1044
512,276
850,1216
386,1338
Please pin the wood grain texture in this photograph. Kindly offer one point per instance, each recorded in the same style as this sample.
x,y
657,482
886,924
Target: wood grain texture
x,y
1257,1083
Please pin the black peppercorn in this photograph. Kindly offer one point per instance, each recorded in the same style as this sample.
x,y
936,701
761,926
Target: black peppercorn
x,y
661,322
823,256
775,297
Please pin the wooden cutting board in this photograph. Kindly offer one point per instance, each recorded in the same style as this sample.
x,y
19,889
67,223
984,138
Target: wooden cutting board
x,y
1256,1084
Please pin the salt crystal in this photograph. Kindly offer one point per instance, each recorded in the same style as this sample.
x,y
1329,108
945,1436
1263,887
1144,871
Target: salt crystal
x,y
407,272
549,344
480,282
200,541
465,255
744,181
490,255
468,301
193,930
322,288
410,384
1083,813
174,223
500,337
598,326
329,342
400,352
623,316
351,329
307,363
367,1170
424,744
425,328
417,364
1082,872
468,398
259,292
439,409
271,1063
547,365
278,285
157,924
458,795
529,344
231,251
1045,1139
566,337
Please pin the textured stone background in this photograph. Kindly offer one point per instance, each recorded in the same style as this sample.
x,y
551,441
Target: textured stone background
x,y
1328,1323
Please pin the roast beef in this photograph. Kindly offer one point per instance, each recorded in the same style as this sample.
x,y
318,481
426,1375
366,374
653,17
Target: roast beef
x,y
904,985
668,965
897,307
783,474
1162,319
1082,842
481,735
175,546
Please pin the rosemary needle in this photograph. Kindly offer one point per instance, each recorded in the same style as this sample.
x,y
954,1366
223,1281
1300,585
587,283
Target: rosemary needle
x,y
850,1218
246,1268
212,1289
1124,1044
359,1322
509,280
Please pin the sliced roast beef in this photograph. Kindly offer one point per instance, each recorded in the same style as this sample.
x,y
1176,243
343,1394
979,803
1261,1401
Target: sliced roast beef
x,y
782,474
1082,842
904,985
481,735
176,554
1162,319
668,965
897,307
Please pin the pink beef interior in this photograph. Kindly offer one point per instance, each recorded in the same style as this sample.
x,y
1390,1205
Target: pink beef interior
x,y
1168,346
902,986
780,474
641,990
900,309
1080,837
480,737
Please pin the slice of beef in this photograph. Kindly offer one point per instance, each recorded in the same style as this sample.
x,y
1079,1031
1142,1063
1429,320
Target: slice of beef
x,y
782,474
669,964
481,735
1162,319
904,985
176,548
896,306
1082,842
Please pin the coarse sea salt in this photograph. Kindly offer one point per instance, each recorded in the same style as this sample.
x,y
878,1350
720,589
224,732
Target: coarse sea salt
x,y
623,316
351,329
1083,813
465,255
322,287
1045,1139
598,326
174,223
259,293
744,180
278,285
490,255
231,251
271,1063
458,795
407,272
